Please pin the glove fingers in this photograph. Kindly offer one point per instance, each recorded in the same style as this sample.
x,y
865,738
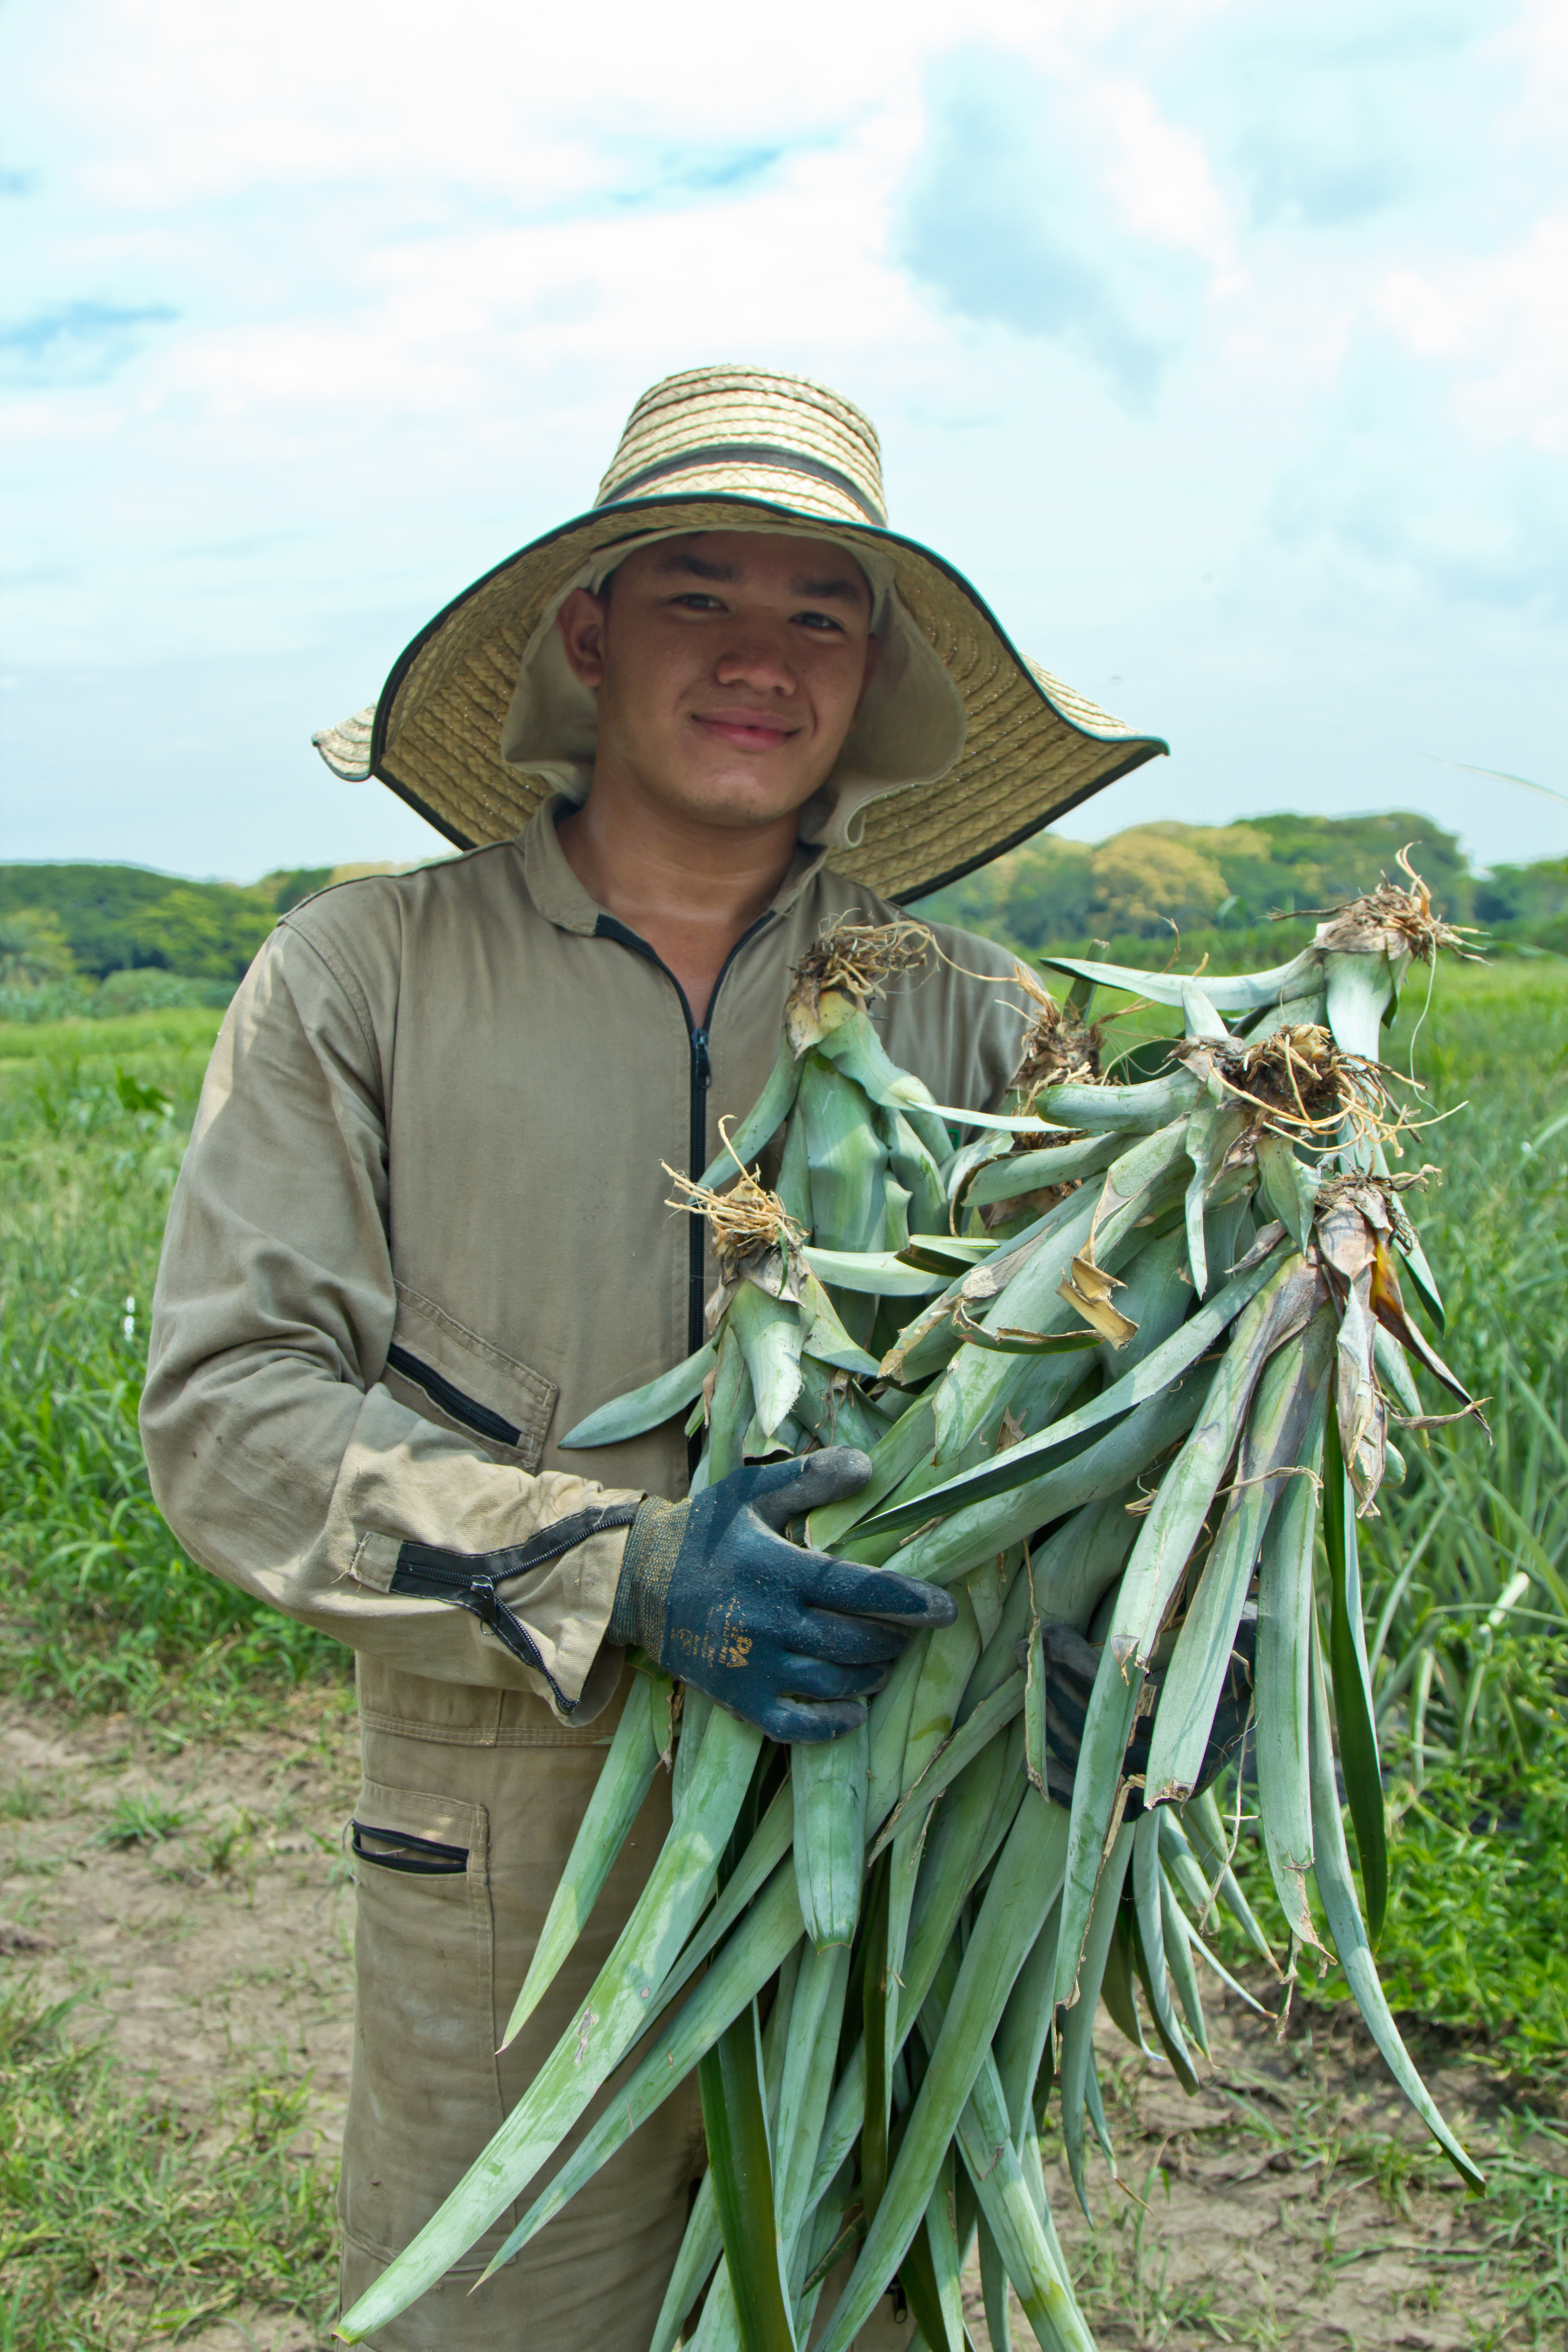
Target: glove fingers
x,y
790,1720
846,1640
876,1593
806,1677
782,1491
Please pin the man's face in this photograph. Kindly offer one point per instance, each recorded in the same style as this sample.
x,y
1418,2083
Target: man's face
x,y
728,667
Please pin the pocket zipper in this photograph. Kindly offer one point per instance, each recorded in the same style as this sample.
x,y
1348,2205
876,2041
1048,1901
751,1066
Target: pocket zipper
x,y
419,1857
473,1415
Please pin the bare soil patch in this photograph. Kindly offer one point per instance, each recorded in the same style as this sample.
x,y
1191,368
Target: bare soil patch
x,y
197,1901
1294,2201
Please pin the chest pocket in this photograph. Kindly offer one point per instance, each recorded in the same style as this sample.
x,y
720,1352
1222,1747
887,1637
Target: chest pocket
x,y
450,1375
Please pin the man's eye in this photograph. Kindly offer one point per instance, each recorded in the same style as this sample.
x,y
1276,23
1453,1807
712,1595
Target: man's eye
x,y
823,623
697,600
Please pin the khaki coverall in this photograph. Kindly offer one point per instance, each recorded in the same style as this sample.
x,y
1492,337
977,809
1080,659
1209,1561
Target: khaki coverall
x,y
421,1230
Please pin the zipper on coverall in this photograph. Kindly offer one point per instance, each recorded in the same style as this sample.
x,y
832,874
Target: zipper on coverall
x,y
699,1077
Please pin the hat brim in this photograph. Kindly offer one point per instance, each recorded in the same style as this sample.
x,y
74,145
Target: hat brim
x,y
1032,749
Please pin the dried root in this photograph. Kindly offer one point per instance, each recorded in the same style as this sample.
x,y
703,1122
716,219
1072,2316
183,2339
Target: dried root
x,y
1301,1086
1060,1048
747,1222
858,959
1397,921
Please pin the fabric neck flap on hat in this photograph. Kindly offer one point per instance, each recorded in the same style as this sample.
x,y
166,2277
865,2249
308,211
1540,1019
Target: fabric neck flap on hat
x,y
908,729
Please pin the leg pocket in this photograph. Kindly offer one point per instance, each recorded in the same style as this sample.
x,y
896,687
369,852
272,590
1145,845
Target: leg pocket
x,y
425,2095
417,1857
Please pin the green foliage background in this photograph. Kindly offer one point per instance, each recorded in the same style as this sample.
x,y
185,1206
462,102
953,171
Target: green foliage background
x,y
106,940
102,1608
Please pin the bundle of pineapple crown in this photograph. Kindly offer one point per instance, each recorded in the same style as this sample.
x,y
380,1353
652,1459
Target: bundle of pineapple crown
x,y
1125,1355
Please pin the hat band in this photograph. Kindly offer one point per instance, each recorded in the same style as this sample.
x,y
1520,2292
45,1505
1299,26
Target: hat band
x,y
749,453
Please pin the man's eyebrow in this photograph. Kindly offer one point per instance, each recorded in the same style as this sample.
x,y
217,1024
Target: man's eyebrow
x,y
697,567
844,588
840,589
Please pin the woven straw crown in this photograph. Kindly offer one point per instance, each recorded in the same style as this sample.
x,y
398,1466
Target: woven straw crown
x,y
790,439
961,748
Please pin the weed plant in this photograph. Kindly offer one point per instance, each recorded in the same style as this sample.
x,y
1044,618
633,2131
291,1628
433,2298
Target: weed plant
x,y
122,2221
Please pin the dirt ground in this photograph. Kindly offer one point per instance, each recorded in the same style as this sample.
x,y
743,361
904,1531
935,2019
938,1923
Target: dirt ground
x,y
1290,2203
211,1954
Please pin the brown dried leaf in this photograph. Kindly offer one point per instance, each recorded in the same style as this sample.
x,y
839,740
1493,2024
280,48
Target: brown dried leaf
x,y
1346,1241
1087,1289
1388,1306
1362,1414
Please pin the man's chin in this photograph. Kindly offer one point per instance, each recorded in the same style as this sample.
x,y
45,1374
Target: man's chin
x,y
740,805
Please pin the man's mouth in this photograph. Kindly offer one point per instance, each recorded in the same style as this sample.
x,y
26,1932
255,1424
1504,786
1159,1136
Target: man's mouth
x,y
748,730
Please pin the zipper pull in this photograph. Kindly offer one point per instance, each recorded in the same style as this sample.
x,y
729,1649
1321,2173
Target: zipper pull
x,y
702,1066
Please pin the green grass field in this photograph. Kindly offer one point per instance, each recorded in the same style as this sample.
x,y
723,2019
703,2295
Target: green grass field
x,y
1466,1567
103,1609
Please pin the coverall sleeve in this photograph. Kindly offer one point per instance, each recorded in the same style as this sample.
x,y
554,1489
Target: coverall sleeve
x,y
277,1456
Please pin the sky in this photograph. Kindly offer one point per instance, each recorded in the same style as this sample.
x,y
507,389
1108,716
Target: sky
x,y
1222,344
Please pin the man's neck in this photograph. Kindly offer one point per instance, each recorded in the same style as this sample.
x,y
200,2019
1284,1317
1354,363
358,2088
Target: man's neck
x,y
691,890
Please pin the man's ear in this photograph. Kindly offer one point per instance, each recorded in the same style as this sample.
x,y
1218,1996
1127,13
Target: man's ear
x,y
580,622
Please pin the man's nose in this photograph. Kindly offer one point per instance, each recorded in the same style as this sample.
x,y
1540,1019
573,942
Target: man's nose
x,y
759,656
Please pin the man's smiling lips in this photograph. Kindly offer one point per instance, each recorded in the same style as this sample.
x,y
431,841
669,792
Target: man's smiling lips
x,y
748,730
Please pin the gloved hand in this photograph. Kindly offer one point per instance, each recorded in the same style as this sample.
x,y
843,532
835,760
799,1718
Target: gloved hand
x,y
1071,1663
787,1637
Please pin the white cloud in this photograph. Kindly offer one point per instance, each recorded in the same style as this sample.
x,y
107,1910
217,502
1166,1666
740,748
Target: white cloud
x,y
1224,346
1163,177
186,103
1503,322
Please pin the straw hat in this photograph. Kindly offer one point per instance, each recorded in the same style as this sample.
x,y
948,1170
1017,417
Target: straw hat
x,y
961,750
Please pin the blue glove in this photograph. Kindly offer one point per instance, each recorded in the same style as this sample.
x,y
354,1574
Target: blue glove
x,y
1070,1666
787,1637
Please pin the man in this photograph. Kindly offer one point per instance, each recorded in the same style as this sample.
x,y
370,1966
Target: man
x,y
422,1230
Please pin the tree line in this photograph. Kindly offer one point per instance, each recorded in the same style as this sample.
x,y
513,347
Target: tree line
x,y
1234,889
124,936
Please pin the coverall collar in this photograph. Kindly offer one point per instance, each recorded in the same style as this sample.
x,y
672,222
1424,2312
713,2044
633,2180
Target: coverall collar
x,y
562,900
